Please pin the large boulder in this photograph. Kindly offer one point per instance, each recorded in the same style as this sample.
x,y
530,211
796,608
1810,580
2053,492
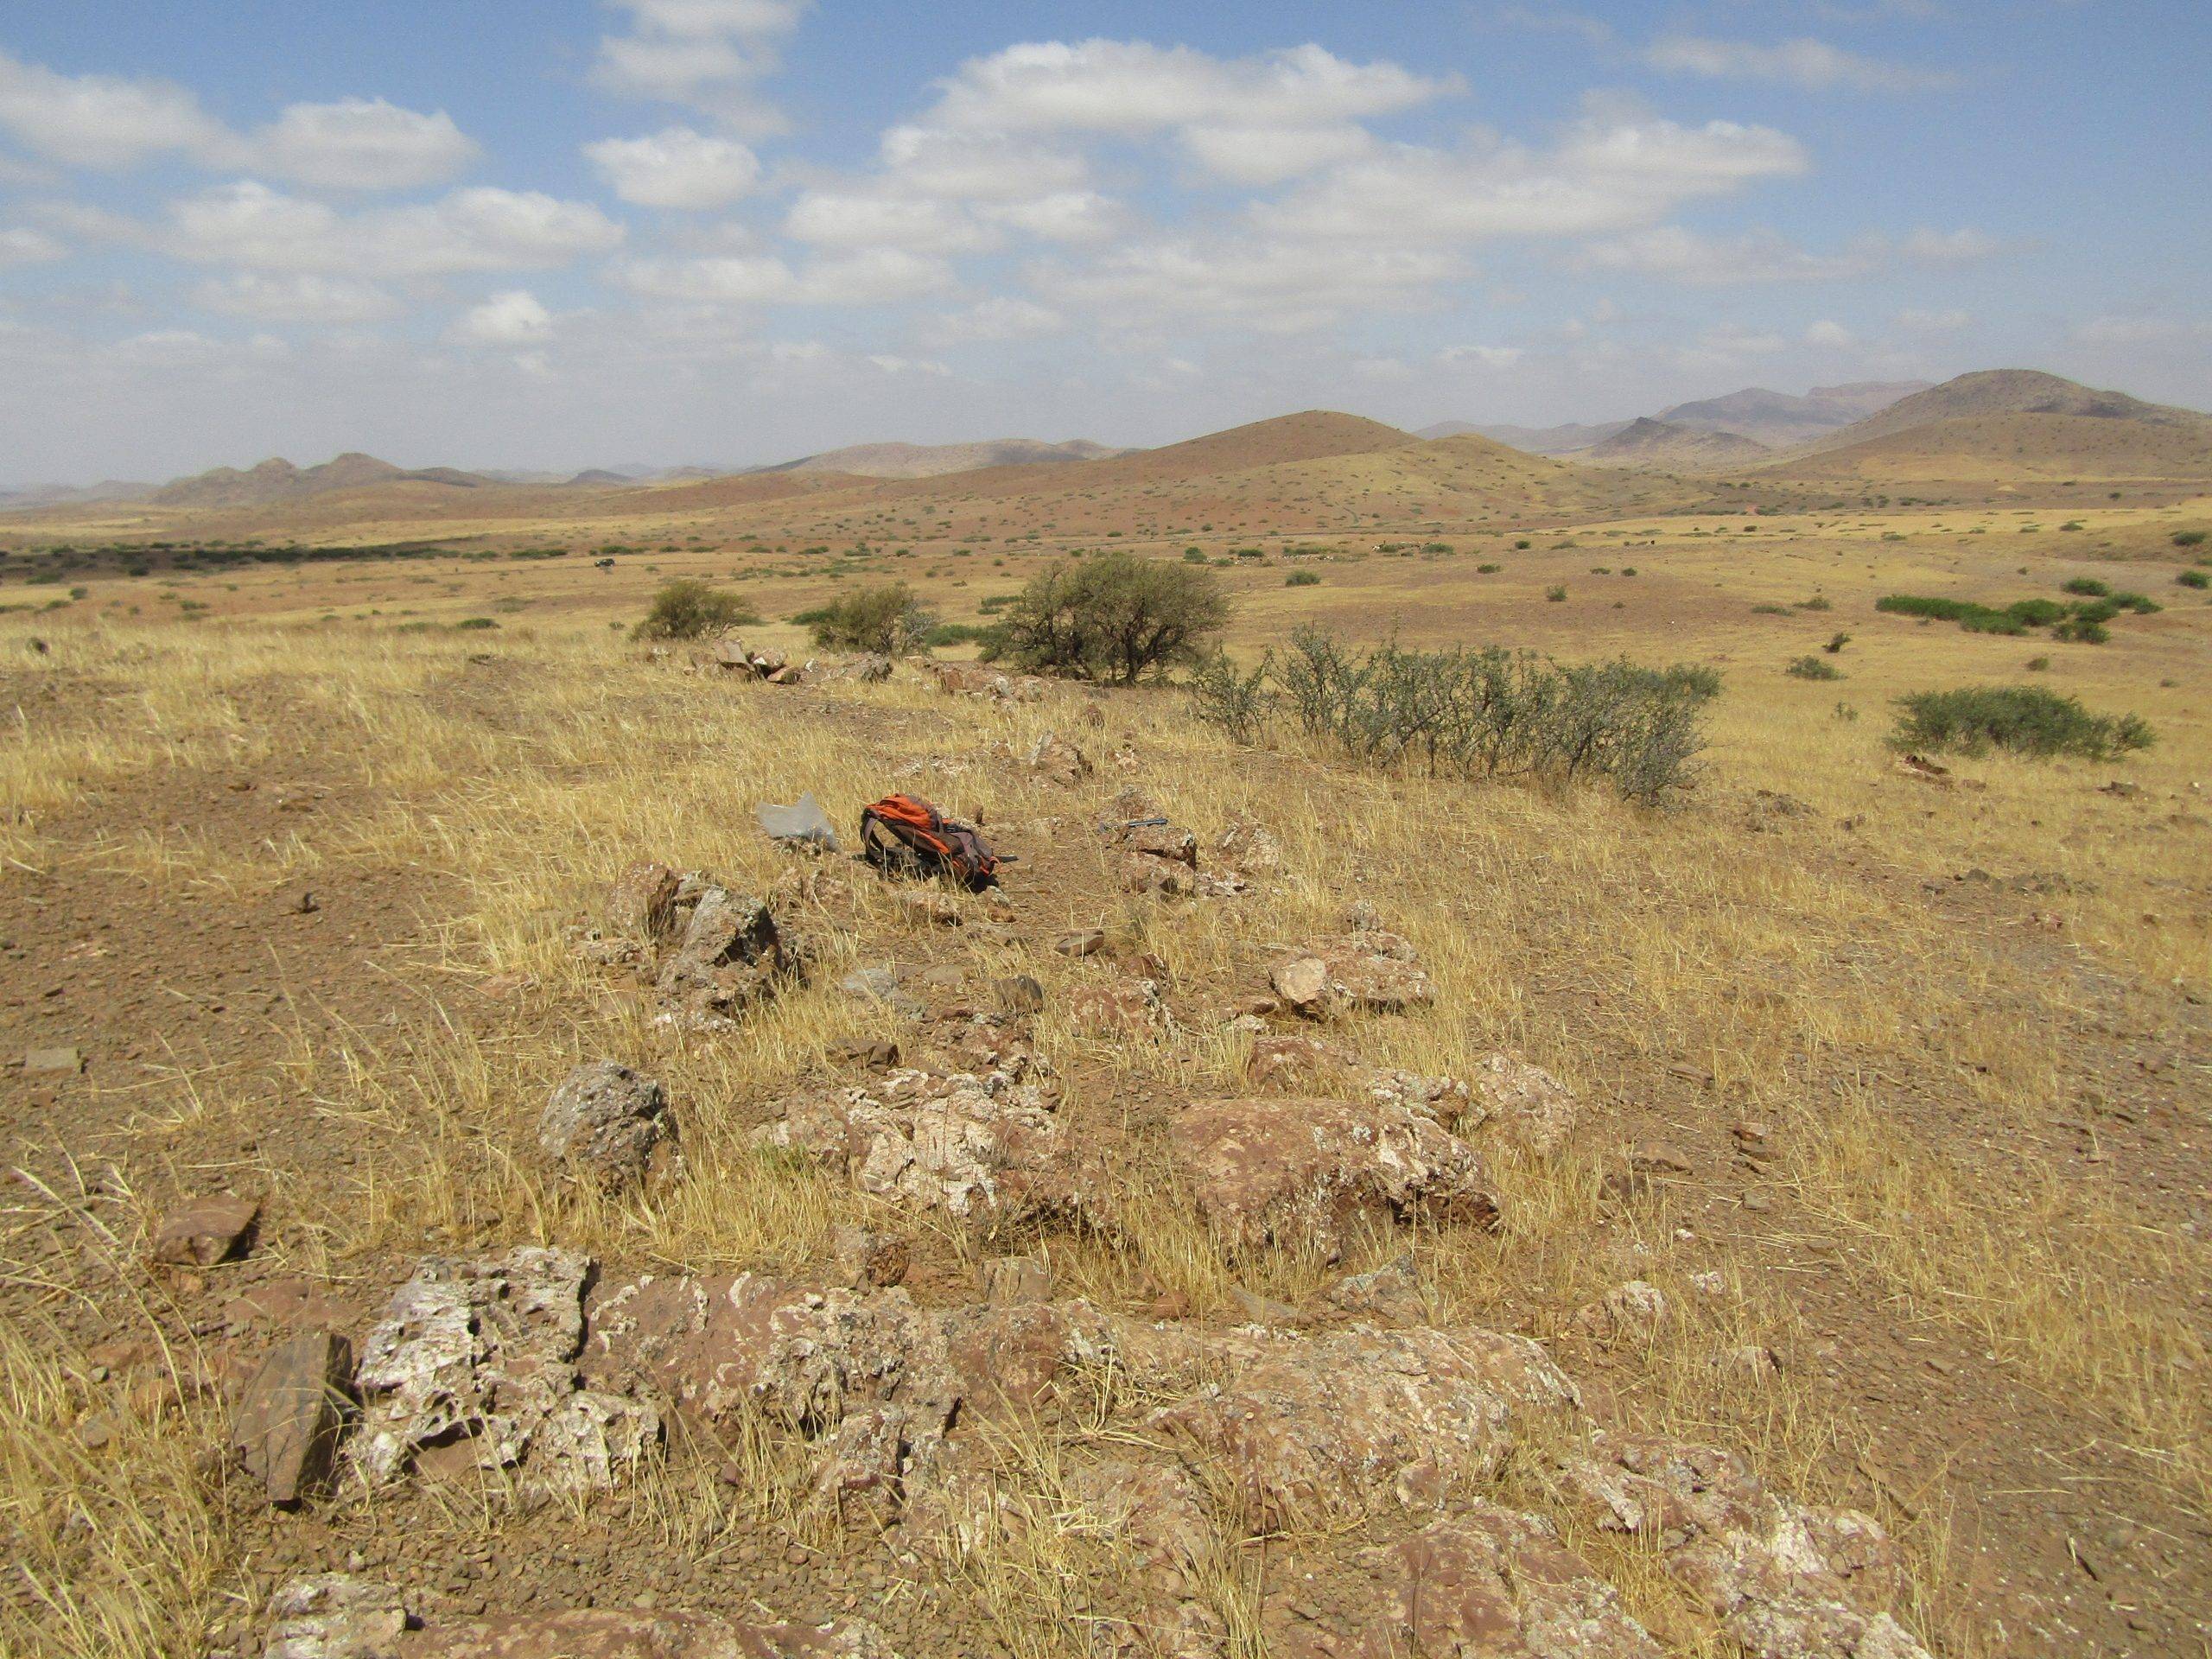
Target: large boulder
x,y
1298,1171
982,1148
475,1359
609,1125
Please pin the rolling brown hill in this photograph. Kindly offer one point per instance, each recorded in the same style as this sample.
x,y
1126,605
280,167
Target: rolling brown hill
x,y
276,479
1662,445
2009,391
2011,447
1313,435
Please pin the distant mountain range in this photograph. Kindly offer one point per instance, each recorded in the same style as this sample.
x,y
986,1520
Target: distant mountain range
x,y
1977,425
1777,420
936,460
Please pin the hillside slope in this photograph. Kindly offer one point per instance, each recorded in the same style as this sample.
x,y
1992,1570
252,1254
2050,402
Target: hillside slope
x,y
2010,448
935,459
2009,391
1662,444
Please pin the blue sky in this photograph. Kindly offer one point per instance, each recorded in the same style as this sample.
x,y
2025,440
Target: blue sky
x,y
735,231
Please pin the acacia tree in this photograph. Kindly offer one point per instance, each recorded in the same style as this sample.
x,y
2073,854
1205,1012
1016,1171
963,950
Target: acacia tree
x,y
1111,616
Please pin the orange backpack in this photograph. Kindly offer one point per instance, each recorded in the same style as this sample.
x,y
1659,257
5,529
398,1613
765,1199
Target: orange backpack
x,y
906,835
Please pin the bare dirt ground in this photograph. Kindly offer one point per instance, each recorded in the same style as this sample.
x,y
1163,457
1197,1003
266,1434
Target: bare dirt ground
x,y
1893,1091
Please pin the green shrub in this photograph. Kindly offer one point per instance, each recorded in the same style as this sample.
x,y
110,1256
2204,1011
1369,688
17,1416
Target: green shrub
x,y
1302,579
1488,569
2038,665
687,608
2194,579
1555,594
474,624
955,634
2026,719
1836,643
2089,587
1475,714
1812,668
2189,538
2081,631
886,618
1194,555
1111,616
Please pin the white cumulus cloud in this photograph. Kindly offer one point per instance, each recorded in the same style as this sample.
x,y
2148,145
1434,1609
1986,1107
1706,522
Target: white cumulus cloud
x,y
514,317
301,298
362,143
676,168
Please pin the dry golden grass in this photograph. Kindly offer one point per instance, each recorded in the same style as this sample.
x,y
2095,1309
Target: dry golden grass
x,y
1606,944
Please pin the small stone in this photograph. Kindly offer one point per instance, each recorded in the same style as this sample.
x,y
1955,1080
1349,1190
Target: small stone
x,y
1005,1280
1019,995
866,1259
331,1616
1083,941
67,1061
1658,1157
204,1231
642,902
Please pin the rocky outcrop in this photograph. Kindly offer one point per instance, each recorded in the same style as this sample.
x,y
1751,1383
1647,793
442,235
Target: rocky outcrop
x,y
1313,1426
475,1360
1370,969
1785,1580
1495,1582
1297,1171
982,1148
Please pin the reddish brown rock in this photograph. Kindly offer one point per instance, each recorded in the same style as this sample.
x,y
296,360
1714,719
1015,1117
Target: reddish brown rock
x,y
641,904
1525,1102
1299,1170
598,1634
1125,1006
331,1616
732,955
609,1125
1496,1583
1370,970
475,1357
1314,1426
201,1232
289,1417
